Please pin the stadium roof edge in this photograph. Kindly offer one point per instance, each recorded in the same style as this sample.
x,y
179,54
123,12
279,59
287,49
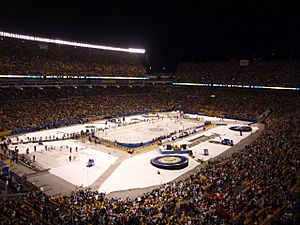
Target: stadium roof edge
x,y
71,43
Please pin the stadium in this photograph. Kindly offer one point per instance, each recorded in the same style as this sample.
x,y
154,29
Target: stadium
x,y
90,136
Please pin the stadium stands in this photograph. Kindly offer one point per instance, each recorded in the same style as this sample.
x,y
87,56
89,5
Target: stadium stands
x,y
31,58
83,102
276,73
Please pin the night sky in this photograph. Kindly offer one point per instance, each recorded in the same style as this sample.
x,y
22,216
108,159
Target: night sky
x,y
169,32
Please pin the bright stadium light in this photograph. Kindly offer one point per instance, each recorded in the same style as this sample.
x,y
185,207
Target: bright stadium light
x,y
236,86
137,50
71,77
76,44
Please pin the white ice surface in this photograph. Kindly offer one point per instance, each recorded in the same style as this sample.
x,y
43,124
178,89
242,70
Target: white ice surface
x,y
145,131
77,173
137,172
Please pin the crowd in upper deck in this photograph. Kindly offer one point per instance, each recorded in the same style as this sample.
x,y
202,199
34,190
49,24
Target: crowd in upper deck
x,y
275,73
31,58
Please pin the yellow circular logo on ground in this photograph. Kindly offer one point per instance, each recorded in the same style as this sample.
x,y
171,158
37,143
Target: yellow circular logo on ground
x,y
170,159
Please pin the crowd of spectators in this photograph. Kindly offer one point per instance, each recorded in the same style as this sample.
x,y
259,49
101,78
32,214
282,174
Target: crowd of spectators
x,y
256,185
30,58
32,106
269,73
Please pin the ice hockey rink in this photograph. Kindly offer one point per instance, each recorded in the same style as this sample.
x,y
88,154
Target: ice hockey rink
x,y
115,170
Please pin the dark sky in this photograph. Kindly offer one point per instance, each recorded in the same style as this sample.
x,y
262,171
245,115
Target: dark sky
x,y
217,30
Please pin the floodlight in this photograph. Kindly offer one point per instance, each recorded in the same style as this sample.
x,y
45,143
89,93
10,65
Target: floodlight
x,y
75,44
